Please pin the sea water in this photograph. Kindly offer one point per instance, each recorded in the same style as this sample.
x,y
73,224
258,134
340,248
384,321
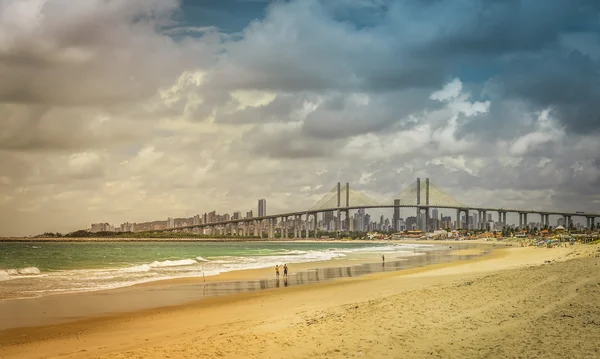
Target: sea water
x,y
33,269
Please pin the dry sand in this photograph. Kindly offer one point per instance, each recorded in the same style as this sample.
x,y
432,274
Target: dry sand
x,y
510,304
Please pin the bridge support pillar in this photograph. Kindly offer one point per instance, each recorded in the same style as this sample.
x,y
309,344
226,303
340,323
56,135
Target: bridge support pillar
x,y
543,219
347,222
296,226
255,228
339,202
396,216
458,220
484,220
592,224
520,220
307,226
525,222
270,233
285,227
467,222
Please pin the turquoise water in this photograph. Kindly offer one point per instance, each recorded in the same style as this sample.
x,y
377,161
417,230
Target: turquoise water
x,y
39,268
91,255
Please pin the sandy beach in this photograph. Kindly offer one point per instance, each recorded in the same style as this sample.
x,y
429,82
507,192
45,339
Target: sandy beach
x,y
513,303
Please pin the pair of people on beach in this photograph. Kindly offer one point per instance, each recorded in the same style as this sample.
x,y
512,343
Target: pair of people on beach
x,y
285,270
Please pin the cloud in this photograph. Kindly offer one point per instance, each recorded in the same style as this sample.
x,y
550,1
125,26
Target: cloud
x,y
89,53
568,84
139,110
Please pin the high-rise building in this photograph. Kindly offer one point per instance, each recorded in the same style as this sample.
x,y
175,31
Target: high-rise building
x,y
434,222
328,219
170,222
249,214
262,207
396,215
401,225
211,217
237,215
196,220
127,227
411,223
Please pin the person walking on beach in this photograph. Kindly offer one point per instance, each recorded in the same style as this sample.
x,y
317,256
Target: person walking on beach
x,y
277,270
383,258
285,270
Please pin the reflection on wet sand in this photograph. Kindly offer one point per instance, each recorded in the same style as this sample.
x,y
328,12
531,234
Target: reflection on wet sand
x,y
326,274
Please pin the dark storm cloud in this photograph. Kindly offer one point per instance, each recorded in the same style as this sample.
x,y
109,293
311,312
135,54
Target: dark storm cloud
x,y
346,115
415,44
570,85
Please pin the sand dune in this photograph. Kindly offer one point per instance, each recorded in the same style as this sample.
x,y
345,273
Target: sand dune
x,y
510,304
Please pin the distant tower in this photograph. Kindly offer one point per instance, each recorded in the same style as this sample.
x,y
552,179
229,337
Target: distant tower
x,y
262,207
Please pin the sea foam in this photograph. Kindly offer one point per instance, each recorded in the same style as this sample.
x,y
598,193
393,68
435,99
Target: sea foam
x,y
175,263
8,274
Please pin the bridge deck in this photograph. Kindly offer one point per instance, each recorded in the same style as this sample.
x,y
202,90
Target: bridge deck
x,y
315,211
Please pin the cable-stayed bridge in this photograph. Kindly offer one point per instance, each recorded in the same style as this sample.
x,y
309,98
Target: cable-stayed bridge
x,y
340,200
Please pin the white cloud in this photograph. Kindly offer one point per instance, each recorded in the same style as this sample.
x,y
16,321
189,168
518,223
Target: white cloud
x,y
451,91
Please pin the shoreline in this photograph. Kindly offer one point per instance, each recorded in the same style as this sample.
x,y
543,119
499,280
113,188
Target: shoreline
x,y
266,272
179,291
349,259
499,305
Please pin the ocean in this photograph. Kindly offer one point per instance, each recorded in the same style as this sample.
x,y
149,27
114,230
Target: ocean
x,y
34,269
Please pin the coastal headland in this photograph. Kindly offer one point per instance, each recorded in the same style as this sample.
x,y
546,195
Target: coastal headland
x,y
513,302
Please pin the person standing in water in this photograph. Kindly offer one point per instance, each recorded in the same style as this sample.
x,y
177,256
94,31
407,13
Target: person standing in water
x,y
383,258
285,270
277,270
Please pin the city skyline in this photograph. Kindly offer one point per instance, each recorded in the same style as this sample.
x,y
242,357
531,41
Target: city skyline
x,y
170,107
360,220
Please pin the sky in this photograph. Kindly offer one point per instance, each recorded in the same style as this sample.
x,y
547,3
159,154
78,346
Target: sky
x,y
137,110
